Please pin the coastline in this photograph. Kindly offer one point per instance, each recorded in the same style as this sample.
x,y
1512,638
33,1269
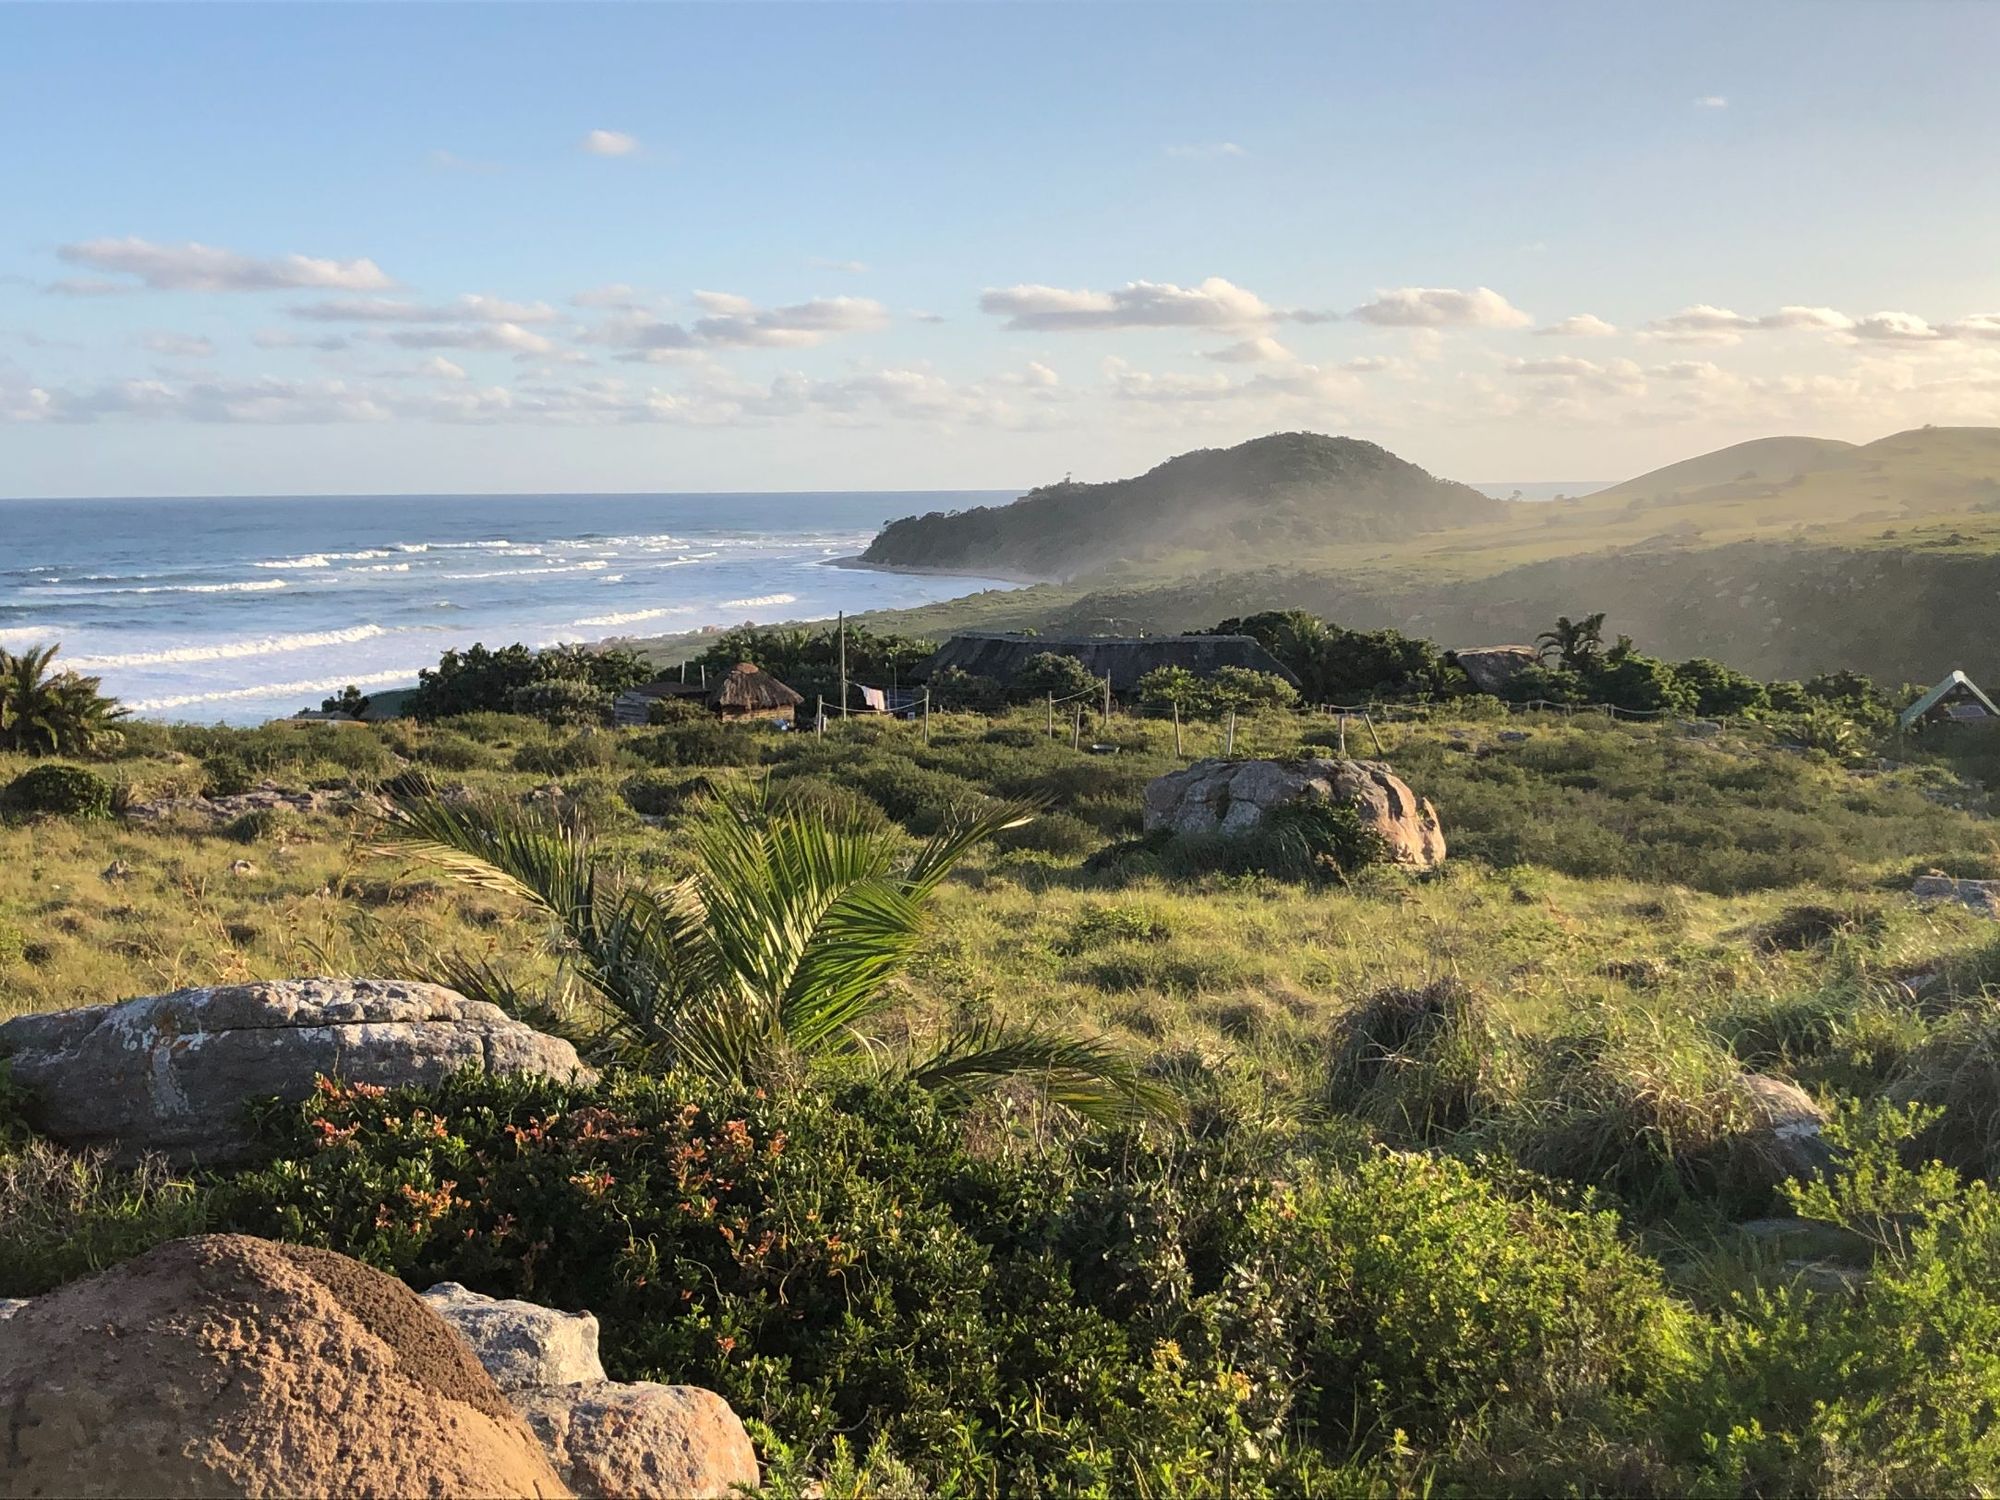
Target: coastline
x,y
1003,575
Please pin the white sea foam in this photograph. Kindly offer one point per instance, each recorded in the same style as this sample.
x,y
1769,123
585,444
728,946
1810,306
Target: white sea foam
x,y
310,560
275,690
762,601
33,634
541,572
258,586
379,567
269,645
633,616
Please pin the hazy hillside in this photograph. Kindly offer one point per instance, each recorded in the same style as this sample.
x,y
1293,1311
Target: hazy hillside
x,y
1271,496
1771,460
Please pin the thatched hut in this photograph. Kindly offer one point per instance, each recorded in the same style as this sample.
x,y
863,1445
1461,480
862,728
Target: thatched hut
x,y
747,691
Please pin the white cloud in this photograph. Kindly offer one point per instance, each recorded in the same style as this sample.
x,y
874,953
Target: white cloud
x,y
617,296
1579,326
1441,307
1207,151
509,338
1260,350
87,286
1806,317
1618,377
1215,303
1976,326
286,338
734,322
1897,328
851,267
180,345
206,268
471,307
1701,324
437,367
1711,101
610,143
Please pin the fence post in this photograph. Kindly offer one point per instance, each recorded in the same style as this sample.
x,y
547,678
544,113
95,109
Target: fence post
x,y
1107,697
1177,729
819,714
1076,731
1371,732
1229,736
1343,732
1052,715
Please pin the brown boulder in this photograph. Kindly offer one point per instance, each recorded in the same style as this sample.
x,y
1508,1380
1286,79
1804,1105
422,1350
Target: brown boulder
x,y
1234,796
226,1365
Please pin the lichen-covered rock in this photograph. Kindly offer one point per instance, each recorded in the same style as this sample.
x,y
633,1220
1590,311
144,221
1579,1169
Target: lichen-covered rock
x,y
1234,796
170,1073
521,1344
226,1365
1789,1122
641,1441
1982,896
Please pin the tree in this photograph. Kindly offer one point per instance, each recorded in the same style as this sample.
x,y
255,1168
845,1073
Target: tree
x,y
478,680
1721,691
1239,689
561,702
776,952
1638,683
350,703
1575,644
1051,672
1172,687
43,712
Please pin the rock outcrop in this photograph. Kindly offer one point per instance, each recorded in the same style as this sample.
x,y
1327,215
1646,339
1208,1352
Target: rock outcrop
x,y
1234,796
1491,668
605,1438
1982,896
266,796
1789,1124
226,1365
170,1073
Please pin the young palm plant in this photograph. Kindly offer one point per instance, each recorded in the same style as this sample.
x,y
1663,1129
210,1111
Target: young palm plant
x,y
777,950
51,713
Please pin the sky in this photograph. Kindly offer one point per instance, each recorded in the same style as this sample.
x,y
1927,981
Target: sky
x,y
413,249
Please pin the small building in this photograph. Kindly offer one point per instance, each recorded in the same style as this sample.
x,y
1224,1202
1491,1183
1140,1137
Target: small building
x,y
633,708
747,691
1955,700
1125,659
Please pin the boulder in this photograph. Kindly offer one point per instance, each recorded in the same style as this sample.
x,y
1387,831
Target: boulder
x,y
521,1344
1983,896
226,1365
1788,1122
169,1073
641,1441
605,1438
1491,668
1233,796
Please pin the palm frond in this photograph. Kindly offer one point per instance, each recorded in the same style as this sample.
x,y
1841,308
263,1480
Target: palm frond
x,y
953,842
1083,1074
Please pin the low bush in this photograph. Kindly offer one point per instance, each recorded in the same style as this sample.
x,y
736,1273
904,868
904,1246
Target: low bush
x,y
452,750
64,790
226,775
588,750
561,703
705,742
661,794
1418,1062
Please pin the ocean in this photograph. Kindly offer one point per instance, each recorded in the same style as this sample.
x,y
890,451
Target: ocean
x,y
240,610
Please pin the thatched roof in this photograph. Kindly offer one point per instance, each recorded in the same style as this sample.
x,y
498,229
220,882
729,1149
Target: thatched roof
x,y
750,689
1126,658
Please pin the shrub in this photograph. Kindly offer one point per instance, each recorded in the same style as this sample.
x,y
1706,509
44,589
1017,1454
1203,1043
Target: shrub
x,y
589,750
1058,833
1419,1062
561,702
258,825
1308,841
828,801
1721,691
66,1215
1956,1075
707,742
452,750
664,711
1051,673
226,775
658,794
68,791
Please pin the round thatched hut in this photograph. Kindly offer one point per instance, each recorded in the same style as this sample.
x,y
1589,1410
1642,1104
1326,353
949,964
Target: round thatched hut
x,y
748,691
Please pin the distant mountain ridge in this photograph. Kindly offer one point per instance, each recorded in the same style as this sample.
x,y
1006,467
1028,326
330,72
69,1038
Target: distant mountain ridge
x,y
1265,498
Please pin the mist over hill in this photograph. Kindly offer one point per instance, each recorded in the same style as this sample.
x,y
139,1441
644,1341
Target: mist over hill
x,y
1265,497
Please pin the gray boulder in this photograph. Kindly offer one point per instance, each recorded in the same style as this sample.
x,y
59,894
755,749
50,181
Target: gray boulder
x,y
1491,668
1982,896
1234,796
521,1344
170,1073
604,1437
1788,1124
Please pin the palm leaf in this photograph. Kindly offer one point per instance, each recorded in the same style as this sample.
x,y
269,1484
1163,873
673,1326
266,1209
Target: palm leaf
x,y
1086,1075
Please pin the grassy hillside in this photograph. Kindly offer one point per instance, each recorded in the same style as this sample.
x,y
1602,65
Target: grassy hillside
x,y
1466,1200
1771,460
1288,490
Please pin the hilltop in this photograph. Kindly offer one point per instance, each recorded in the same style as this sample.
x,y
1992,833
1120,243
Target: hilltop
x,y
1266,497
1769,460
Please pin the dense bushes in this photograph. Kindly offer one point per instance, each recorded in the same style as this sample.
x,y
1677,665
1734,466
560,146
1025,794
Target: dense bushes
x,y
69,791
478,679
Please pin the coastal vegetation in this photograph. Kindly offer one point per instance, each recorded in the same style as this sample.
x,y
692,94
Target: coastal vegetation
x,y
1443,1183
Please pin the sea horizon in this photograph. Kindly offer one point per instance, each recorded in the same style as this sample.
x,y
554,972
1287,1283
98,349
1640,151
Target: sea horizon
x,y
231,609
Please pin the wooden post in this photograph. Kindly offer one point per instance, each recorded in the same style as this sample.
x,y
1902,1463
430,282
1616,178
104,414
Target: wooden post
x,y
1229,736
1076,731
841,618
1177,729
1371,732
684,671
1052,715
819,714
927,716
1107,697
1343,732
704,674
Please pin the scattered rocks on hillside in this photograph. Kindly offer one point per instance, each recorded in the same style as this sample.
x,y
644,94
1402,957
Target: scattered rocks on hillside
x,y
116,871
266,796
1234,796
224,1364
170,1073
605,1438
242,869
1982,896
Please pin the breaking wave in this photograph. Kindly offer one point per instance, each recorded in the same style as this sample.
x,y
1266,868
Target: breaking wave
x,y
269,645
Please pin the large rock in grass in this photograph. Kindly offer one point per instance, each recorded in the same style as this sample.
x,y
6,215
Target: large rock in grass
x,y
1491,668
170,1073
605,1438
225,1365
1789,1125
1234,796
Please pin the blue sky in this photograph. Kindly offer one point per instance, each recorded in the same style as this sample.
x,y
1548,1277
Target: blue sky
x,y
411,248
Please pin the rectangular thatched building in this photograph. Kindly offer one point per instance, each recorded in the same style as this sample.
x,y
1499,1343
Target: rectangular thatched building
x,y
1000,655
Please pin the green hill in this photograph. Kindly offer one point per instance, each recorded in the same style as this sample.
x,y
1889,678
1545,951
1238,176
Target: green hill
x,y
1769,460
1266,497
